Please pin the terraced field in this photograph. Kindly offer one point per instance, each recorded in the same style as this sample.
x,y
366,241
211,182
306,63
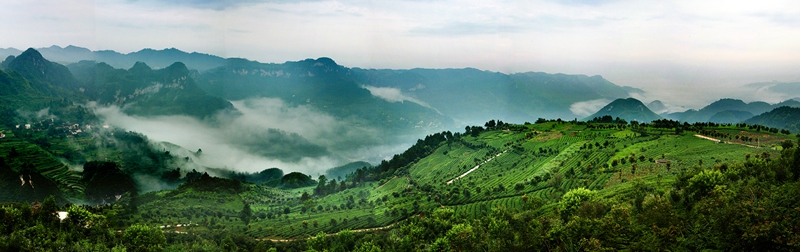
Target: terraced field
x,y
540,162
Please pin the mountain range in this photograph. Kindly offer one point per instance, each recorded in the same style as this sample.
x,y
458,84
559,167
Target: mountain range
x,y
438,98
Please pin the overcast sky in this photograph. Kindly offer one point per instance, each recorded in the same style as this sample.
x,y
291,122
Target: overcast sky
x,y
668,48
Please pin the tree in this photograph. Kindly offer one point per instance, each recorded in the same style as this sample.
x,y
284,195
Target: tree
x,y
367,247
48,212
246,214
574,198
140,237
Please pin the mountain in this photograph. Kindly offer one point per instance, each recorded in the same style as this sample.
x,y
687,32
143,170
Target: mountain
x,y
783,117
155,58
31,83
629,109
142,90
727,104
8,52
657,107
323,85
45,76
468,96
788,103
473,96
730,116
342,171
727,110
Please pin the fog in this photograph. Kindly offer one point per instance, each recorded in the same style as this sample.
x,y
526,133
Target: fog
x,y
391,94
586,108
265,133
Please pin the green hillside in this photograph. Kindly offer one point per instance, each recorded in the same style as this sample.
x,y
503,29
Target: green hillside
x,y
659,181
144,91
787,118
323,85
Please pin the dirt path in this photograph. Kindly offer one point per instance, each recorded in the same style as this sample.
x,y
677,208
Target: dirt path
x,y
720,141
387,182
332,234
476,167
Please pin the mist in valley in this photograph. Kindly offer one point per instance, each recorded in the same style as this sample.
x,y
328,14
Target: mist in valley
x,y
264,133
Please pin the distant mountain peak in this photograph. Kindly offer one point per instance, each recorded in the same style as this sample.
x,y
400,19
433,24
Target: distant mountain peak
x,y
31,53
626,108
139,67
326,61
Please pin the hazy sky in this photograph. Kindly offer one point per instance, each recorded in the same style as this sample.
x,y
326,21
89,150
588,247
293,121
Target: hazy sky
x,y
668,48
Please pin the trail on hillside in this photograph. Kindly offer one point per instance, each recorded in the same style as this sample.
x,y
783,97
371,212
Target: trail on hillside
x,y
332,234
387,182
476,167
720,141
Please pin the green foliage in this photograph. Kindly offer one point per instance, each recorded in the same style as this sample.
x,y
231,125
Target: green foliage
x,y
702,183
296,180
574,198
140,237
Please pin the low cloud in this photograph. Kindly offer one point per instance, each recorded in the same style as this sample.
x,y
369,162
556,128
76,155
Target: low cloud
x,y
391,94
586,108
265,133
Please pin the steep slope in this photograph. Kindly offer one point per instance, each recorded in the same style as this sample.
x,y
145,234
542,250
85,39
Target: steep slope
x,y
32,83
144,91
629,109
783,117
46,77
323,85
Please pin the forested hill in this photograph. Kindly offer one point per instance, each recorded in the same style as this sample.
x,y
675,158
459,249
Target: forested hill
x,y
783,117
629,109
728,111
144,91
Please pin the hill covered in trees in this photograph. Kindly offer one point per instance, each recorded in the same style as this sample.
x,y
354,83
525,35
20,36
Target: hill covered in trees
x,y
783,117
629,109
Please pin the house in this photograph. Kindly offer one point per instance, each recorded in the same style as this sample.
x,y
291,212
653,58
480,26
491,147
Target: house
x,y
62,215
27,126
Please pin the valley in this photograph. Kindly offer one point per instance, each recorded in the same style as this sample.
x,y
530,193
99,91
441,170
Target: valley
x,y
325,157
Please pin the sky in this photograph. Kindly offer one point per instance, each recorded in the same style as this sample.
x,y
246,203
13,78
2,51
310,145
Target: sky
x,y
686,53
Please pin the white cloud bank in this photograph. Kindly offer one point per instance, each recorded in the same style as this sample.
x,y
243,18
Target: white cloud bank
x,y
586,108
391,94
266,133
